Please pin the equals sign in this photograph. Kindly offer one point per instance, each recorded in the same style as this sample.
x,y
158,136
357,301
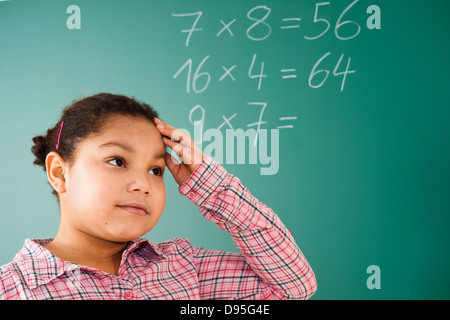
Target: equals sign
x,y
288,76
289,125
293,26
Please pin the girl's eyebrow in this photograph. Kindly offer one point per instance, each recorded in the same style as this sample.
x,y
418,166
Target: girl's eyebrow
x,y
117,144
130,149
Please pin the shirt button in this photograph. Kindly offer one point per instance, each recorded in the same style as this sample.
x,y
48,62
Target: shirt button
x,y
191,195
128,295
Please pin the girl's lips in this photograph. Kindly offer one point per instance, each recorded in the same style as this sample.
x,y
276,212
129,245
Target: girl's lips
x,y
134,209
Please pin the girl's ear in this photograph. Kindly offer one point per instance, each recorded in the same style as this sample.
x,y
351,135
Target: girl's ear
x,y
55,168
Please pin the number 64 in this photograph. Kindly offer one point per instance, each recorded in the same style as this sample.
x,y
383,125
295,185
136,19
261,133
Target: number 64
x,y
315,72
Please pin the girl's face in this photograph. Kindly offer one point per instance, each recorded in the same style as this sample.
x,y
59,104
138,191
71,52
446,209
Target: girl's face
x,y
115,189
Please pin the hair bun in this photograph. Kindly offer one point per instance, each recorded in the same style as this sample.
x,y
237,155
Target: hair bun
x,y
40,149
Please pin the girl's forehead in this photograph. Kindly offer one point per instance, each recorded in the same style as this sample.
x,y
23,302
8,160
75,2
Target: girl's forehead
x,y
129,133
129,127
119,121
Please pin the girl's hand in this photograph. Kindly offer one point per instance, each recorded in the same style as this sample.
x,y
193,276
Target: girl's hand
x,y
183,145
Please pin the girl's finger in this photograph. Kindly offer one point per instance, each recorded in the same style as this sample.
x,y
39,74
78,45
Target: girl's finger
x,y
187,155
172,162
170,143
173,133
180,142
165,132
177,135
175,146
168,130
163,124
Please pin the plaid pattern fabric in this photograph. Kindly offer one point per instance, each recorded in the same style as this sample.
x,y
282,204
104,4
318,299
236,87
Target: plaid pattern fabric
x,y
269,265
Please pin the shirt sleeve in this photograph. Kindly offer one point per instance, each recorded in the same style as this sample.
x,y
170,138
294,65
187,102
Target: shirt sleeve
x,y
270,265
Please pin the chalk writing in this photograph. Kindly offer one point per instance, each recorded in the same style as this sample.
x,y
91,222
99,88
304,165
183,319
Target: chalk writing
x,y
259,24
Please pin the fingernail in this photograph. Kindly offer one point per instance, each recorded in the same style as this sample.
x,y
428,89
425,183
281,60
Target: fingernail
x,y
162,127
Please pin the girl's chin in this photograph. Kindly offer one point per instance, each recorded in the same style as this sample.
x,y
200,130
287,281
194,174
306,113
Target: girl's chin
x,y
122,234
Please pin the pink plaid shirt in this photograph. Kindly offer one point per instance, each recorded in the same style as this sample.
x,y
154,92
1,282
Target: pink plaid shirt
x,y
269,265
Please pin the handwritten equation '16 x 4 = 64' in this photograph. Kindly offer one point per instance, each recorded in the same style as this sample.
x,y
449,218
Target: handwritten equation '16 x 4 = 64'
x,y
198,81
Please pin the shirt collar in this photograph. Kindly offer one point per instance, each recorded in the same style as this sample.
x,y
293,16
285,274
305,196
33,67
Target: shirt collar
x,y
144,247
39,266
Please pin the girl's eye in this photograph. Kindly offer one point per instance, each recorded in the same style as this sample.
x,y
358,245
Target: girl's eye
x,y
157,171
117,162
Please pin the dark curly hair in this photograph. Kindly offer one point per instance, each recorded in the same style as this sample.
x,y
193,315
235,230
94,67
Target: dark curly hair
x,y
82,119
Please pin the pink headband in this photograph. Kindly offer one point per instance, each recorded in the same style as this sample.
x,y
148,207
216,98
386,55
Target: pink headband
x,y
59,134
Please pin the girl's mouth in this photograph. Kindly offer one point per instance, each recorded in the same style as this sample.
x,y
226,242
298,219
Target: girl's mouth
x,y
134,208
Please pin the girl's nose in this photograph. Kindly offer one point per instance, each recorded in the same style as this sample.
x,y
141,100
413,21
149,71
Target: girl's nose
x,y
146,193
140,184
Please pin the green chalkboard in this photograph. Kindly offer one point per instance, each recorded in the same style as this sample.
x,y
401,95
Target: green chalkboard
x,y
343,105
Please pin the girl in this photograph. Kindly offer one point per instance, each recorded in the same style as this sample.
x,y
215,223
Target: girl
x,y
105,160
